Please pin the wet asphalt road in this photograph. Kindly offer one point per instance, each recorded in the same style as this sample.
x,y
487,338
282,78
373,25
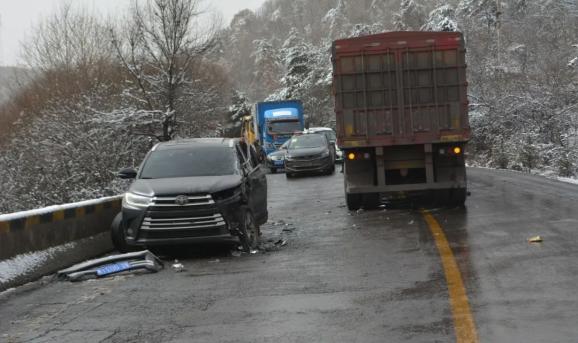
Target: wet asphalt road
x,y
374,276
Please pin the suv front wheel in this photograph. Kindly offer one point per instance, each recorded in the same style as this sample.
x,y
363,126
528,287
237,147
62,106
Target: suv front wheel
x,y
118,235
248,231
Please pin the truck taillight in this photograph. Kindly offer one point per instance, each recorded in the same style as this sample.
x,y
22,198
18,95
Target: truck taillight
x,y
358,156
455,150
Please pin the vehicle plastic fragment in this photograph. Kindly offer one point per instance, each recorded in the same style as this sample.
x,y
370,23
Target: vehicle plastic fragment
x,y
535,239
178,266
281,243
110,265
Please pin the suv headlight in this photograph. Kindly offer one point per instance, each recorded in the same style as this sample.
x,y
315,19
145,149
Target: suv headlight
x,y
325,154
136,200
227,193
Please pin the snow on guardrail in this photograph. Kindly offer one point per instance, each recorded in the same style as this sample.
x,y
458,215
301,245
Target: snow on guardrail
x,y
54,208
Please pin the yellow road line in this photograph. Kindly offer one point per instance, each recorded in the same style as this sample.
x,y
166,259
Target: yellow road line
x,y
464,323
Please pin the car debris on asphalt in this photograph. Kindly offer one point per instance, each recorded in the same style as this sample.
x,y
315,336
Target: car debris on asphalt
x,y
178,266
236,253
281,243
135,262
535,239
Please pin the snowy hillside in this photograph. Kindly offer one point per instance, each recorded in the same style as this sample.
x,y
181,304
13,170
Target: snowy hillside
x,y
10,79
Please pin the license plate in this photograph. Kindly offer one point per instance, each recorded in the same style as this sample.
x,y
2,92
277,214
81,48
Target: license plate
x,y
112,268
278,163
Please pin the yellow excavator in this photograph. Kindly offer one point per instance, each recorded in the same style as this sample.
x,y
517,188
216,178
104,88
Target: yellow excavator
x,y
249,135
248,130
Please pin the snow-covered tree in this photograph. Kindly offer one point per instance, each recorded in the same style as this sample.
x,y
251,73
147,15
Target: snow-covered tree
x,y
240,107
410,17
442,18
158,47
335,22
266,77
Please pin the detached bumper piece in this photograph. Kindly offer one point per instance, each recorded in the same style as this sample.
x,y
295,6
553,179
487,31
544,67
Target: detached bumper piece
x,y
143,261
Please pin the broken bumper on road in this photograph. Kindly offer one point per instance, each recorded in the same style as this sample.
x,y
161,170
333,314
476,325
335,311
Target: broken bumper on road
x,y
136,261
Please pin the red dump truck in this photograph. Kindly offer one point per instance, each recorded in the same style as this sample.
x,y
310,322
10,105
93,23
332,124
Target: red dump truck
x,y
402,116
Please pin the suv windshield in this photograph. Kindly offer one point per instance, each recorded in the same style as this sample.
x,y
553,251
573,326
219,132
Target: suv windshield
x,y
307,141
192,161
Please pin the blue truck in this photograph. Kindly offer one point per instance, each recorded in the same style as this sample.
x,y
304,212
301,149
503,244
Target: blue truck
x,y
276,121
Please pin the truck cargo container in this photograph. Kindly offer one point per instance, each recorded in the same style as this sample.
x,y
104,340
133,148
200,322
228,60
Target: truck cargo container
x,y
402,116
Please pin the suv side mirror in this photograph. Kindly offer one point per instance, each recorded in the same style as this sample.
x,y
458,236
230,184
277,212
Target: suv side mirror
x,y
127,173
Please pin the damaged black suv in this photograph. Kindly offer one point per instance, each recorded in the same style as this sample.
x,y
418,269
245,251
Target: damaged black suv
x,y
193,191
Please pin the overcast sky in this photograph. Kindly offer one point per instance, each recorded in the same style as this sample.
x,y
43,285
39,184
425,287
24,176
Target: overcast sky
x,y
17,17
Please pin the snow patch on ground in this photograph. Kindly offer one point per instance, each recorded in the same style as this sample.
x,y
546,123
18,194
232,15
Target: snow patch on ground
x,y
21,264
568,180
50,209
544,173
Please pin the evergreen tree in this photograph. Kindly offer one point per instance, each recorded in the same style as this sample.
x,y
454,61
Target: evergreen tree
x,y
240,107
410,17
268,73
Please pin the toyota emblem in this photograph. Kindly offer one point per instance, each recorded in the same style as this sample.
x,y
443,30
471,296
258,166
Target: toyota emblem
x,y
182,200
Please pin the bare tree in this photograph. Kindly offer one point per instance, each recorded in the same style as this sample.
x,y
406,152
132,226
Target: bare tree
x,y
158,47
69,39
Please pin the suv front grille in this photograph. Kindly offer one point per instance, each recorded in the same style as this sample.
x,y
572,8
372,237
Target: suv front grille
x,y
198,216
192,200
179,223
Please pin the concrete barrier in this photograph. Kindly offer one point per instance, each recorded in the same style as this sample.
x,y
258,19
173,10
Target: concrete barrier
x,y
56,225
85,223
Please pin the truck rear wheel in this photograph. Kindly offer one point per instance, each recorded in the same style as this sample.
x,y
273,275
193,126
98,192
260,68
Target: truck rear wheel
x,y
457,197
353,201
370,200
